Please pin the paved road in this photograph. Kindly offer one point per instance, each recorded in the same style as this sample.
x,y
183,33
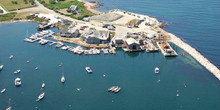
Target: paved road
x,y
4,11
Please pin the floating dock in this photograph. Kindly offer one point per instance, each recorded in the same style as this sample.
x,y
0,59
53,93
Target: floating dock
x,y
151,47
167,52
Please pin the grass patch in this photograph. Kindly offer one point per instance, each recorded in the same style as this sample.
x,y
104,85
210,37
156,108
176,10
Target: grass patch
x,y
56,6
7,17
112,34
11,5
24,15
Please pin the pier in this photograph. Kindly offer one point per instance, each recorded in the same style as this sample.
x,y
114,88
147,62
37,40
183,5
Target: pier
x,y
196,55
151,47
167,51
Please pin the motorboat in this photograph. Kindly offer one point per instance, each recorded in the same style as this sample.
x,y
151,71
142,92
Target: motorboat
x,y
43,85
78,89
17,82
41,96
17,71
3,90
104,75
28,40
1,67
88,69
156,70
11,56
62,79
36,68
9,108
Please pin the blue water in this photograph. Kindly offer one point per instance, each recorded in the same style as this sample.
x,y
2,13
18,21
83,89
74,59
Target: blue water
x,y
195,21
133,72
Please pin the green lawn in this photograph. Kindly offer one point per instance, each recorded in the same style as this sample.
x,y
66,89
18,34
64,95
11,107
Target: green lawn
x,y
8,5
56,6
7,17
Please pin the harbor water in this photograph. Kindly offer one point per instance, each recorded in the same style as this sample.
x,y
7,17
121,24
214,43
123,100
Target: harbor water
x,y
141,88
195,21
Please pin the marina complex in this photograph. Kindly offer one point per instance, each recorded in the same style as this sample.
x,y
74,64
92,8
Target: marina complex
x,y
67,55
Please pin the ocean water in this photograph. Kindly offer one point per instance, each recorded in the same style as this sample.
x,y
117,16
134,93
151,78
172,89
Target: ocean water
x,y
195,21
142,89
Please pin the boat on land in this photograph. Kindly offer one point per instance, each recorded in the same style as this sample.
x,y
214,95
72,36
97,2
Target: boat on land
x,y
11,56
41,96
17,82
156,70
3,90
1,67
17,71
88,69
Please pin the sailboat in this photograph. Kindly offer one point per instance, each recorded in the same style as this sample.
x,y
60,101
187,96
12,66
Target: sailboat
x,y
40,97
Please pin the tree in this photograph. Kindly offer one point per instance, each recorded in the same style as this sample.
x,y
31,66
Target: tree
x,y
14,2
1,11
25,1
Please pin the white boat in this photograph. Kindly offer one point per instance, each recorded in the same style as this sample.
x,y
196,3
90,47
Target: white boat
x,y
36,68
11,56
62,79
104,75
43,85
9,108
1,67
17,71
78,89
156,70
28,40
17,82
3,90
88,69
41,96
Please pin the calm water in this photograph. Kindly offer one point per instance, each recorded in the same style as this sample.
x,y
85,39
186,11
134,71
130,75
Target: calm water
x,y
196,21
134,73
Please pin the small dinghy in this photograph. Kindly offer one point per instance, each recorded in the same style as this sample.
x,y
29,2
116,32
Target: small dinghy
x,y
156,70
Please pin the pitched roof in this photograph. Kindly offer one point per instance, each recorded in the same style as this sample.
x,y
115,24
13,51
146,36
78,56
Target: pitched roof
x,y
131,41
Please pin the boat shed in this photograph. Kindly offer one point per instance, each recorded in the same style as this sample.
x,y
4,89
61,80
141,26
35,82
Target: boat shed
x,y
132,44
69,33
96,37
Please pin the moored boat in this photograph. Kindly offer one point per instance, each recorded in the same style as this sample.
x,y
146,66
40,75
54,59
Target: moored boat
x,y
17,82
156,70
1,67
88,69
11,56
3,90
17,71
43,85
41,96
